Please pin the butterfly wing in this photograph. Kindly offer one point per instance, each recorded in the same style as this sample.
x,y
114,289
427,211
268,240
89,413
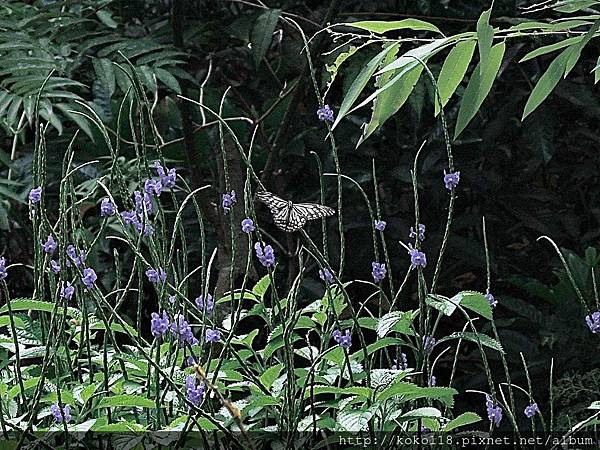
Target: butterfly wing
x,y
312,211
289,220
291,217
275,204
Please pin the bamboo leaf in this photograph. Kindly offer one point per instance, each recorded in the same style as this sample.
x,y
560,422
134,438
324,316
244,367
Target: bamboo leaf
x,y
380,26
361,81
453,71
547,82
478,88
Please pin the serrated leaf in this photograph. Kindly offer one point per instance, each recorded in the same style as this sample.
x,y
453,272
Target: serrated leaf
x,y
479,87
353,420
453,71
385,323
462,420
270,375
127,400
262,34
25,304
380,26
484,339
261,287
474,301
422,412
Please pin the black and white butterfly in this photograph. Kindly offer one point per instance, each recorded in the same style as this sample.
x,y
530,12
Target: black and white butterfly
x,y
289,216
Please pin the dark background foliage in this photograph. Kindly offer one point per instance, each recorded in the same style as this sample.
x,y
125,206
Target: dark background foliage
x,y
530,178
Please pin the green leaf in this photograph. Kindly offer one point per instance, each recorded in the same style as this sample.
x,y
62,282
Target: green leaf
x,y
485,36
462,420
388,102
377,345
88,391
479,87
354,420
571,6
550,48
596,71
577,48
422,412
484,339
547,82
127,400
270,375
409,391
262,34
105,72
453,71
441,303
361,81
26,304
380,26
595,405
260,288
355,390
475,301
385,323
168,80
105,17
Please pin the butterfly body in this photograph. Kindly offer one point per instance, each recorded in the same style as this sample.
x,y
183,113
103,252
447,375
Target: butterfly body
x,y
289,216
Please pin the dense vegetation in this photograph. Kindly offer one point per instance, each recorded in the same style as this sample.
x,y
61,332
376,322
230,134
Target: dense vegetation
x,y
144,285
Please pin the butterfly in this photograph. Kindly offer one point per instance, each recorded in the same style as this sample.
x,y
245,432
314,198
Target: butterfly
x,y
289,216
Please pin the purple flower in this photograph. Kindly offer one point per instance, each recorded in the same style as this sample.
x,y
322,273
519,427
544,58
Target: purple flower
x,y
156,275
425,430
593,321
67,291
190,361
428,343
167,180
72,254
491,300
213,335
345,340
143,203
210,304
55,266
417,258
50,245
172,299
89,277
401,364
229,199
432,381
35,195
451,180
380,225
181,329
3,273
531,410
420,232
60,415
378,271
194,393
266,256
248,225
158,325
129,217
153,187
107,208
494,412
325,113
326,275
